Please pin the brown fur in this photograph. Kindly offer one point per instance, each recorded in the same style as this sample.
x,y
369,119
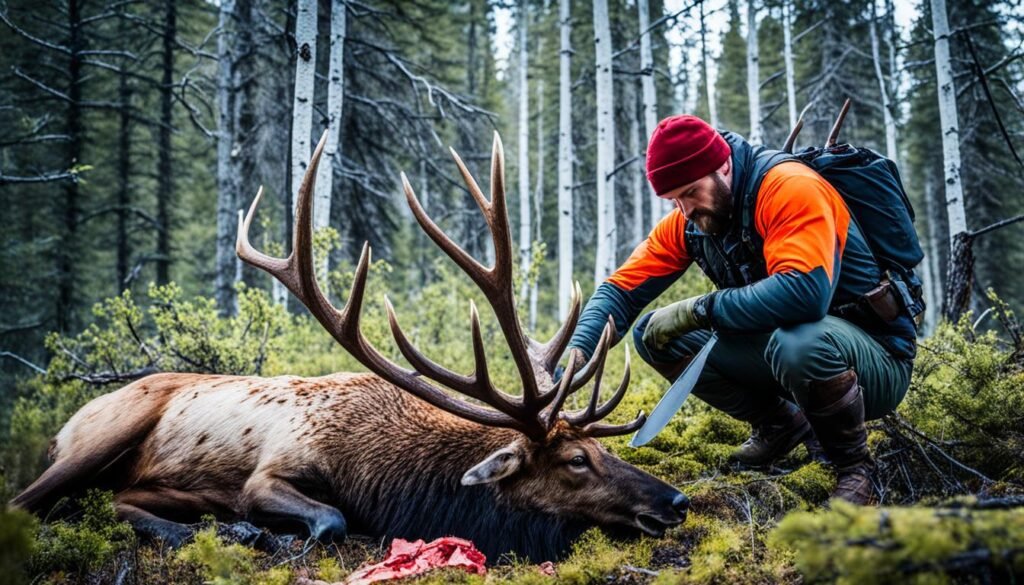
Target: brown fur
x,y
287,451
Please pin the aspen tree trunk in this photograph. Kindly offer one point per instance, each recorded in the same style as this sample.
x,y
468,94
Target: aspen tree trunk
x,y
538,192
636,177
607,235
525,232
708,85
302,107
226,183
787,52
565,227
332,150
650,101
958,291
890,123
753,91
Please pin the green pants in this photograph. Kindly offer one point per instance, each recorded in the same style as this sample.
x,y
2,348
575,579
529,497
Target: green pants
x,y
748,375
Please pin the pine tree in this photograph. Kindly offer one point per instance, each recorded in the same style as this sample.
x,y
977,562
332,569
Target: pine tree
x,y
731,84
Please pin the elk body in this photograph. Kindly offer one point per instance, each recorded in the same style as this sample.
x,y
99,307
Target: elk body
x,y
384,454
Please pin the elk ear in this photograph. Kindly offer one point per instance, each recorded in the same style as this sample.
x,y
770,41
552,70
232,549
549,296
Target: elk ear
x,y
498,465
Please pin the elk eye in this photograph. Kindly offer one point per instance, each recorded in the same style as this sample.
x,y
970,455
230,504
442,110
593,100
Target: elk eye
x,y
578,461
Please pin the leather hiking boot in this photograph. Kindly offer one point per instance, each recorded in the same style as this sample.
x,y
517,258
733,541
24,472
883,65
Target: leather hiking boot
x,y
774,437
835,409
856,484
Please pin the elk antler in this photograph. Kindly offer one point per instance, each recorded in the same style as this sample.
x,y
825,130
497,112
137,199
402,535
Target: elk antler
x,y
533,414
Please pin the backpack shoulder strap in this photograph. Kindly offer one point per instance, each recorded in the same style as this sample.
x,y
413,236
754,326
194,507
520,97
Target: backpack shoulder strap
x,y
764,161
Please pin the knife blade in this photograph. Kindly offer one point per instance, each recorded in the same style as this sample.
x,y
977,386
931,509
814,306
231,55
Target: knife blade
x,y
673,399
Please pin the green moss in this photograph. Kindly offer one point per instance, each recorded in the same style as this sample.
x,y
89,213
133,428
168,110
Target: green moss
x,y
849,544
812,483
328,569
595,558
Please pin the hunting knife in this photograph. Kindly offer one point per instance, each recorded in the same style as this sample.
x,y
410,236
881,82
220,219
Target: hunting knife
x,y
673,399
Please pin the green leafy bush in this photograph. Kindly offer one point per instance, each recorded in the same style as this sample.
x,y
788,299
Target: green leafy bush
x,y
229,564
84,544
17,544
968,394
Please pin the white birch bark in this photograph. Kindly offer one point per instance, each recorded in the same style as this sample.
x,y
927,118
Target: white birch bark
x,y
650,100
538,191
302,106
886,105
753,91
636,175
708,83
606,221
565,227
332,150
525,233
949,122
787,52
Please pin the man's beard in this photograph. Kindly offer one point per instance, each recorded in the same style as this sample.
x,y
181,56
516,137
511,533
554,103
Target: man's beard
x,y
716,220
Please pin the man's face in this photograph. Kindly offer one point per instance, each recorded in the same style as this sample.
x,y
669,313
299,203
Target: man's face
x,y
706,201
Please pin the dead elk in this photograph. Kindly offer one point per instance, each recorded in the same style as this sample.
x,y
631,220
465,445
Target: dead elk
x,y
386,454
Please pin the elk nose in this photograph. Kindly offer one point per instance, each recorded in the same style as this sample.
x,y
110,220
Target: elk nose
x,y
681,503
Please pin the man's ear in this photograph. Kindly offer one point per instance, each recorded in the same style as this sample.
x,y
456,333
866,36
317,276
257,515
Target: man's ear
x,y
726,169
498,465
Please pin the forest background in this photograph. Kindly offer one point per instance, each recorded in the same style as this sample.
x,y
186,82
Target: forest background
x,y
133,131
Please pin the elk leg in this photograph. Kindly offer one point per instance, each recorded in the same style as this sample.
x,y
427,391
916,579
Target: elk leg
x,y
268,498
138,507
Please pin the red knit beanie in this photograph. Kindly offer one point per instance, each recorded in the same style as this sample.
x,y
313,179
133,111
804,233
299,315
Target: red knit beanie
x,y
682,150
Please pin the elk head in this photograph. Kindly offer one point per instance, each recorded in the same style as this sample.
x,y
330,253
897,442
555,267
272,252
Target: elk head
x,y
554,462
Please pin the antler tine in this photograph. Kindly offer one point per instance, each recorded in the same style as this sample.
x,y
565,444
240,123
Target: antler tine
x,y
277,267
603,430
482,377
598,357
296,272
551,351
606,408
475,270
477,386
564,386
834,134
500,232
496,282
581,418
471,184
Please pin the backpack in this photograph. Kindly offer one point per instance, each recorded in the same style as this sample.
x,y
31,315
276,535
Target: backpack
x,y
870,185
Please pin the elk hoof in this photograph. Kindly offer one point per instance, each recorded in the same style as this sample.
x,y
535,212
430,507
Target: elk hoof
x,y
240,532
330,527
173,535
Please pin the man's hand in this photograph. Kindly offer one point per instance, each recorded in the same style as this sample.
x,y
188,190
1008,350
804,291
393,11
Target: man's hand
x,y
671,321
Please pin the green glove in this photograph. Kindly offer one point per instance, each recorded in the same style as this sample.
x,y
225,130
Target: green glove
x,y
674,320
